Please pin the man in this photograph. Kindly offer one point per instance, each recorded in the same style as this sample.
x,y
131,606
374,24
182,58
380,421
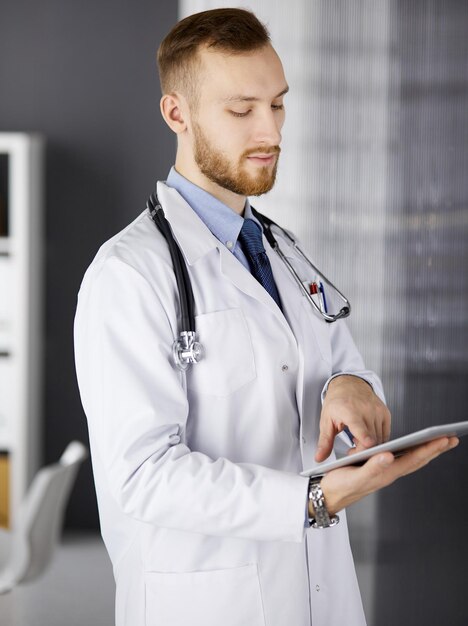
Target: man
x,y
203,509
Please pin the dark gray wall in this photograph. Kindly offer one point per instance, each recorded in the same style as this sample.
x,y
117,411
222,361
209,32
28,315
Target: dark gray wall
x,y
84,75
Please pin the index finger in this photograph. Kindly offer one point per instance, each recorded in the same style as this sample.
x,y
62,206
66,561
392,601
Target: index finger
x,y
363,436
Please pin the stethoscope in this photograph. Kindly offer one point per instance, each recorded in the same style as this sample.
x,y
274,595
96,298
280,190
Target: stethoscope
x,y
186,349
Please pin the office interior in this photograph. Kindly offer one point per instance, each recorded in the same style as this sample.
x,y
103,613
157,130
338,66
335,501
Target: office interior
x,y
373,181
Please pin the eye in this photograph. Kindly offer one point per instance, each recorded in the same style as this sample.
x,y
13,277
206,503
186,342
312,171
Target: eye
x,y
277,107
237,114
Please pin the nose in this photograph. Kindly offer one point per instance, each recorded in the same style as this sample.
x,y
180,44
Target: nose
x,y
268,128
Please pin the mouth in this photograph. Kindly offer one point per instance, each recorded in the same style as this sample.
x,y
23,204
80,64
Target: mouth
x,y
262,159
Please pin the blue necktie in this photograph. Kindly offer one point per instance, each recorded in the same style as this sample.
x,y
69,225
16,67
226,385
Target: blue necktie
x,y
250,237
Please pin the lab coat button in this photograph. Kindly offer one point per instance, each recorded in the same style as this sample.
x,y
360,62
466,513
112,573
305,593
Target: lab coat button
x,y
317,587
285,368
303,440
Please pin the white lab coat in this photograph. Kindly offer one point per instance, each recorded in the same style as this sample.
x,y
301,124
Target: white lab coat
x,y
201,504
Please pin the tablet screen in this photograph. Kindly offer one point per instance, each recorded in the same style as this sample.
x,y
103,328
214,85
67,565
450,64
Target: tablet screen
x,y
397,446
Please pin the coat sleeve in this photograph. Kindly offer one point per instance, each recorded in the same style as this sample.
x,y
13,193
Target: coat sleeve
x,y
137,411
346,359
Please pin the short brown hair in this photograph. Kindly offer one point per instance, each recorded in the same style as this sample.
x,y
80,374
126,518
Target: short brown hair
x,y
228,30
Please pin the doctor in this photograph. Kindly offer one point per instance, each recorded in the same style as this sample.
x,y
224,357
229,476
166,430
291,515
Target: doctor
x,y
203,510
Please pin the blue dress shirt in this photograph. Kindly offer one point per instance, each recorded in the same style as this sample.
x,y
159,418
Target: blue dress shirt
x,y
222,221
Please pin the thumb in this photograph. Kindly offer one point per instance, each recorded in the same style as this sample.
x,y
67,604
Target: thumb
x,y
325,441
378,463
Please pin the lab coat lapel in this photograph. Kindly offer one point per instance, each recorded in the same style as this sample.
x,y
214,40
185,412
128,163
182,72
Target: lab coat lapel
x,y
196,241
194,238
234,271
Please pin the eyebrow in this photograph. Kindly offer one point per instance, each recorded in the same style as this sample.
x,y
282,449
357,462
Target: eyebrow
x,y
253,98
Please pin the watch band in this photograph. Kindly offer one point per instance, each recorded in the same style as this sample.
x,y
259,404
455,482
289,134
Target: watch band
x,y
322,518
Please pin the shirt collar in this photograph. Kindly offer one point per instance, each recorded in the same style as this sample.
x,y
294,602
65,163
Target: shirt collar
x,y
222,221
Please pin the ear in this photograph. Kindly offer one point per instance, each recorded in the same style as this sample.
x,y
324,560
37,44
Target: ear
x,y
174,112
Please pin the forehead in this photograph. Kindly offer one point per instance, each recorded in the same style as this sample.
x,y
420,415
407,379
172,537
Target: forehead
x,y
256,74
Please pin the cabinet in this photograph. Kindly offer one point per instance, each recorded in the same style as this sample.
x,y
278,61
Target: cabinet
x,y
21,327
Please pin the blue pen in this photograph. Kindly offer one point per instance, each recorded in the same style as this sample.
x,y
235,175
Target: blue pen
x,y
350,436
322,292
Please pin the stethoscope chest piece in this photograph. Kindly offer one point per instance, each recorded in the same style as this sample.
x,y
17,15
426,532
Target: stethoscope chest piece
x,y
186,350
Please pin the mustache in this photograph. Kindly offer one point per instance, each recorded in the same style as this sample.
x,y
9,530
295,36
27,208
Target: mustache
x,y
263,150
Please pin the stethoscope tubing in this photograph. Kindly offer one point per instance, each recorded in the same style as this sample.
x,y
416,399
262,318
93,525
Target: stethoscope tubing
x,y
184,285
267,224
344,311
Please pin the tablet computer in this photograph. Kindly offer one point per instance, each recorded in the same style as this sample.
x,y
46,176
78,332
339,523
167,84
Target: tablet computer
x,y
397,446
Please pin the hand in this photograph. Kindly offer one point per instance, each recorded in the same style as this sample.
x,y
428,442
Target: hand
x,y
346,485
351,402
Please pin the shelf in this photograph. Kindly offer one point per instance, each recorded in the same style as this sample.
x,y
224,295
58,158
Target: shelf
x,y
21,187
5,446
5,246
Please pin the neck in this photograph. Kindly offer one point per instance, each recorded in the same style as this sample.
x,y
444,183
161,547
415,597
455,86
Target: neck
x,y
191,172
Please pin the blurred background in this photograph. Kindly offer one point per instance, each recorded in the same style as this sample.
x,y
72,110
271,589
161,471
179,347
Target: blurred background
x,y
373,180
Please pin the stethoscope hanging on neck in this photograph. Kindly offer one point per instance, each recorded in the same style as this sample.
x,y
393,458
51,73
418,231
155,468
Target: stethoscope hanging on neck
x,y
186,349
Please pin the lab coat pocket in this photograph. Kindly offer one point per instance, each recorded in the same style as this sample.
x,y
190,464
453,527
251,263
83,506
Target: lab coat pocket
x,y
320,330
228,362
230,597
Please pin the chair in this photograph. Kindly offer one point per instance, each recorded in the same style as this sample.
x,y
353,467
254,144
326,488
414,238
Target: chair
x,y
27,549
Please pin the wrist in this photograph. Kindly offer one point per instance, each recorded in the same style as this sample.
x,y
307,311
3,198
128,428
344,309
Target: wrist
x,y
319,514
344,380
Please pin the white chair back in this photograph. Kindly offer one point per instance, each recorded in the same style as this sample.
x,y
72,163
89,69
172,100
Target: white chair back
x,y
40,518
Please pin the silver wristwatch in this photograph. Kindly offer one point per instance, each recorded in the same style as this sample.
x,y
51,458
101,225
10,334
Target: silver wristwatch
x,y
322,518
